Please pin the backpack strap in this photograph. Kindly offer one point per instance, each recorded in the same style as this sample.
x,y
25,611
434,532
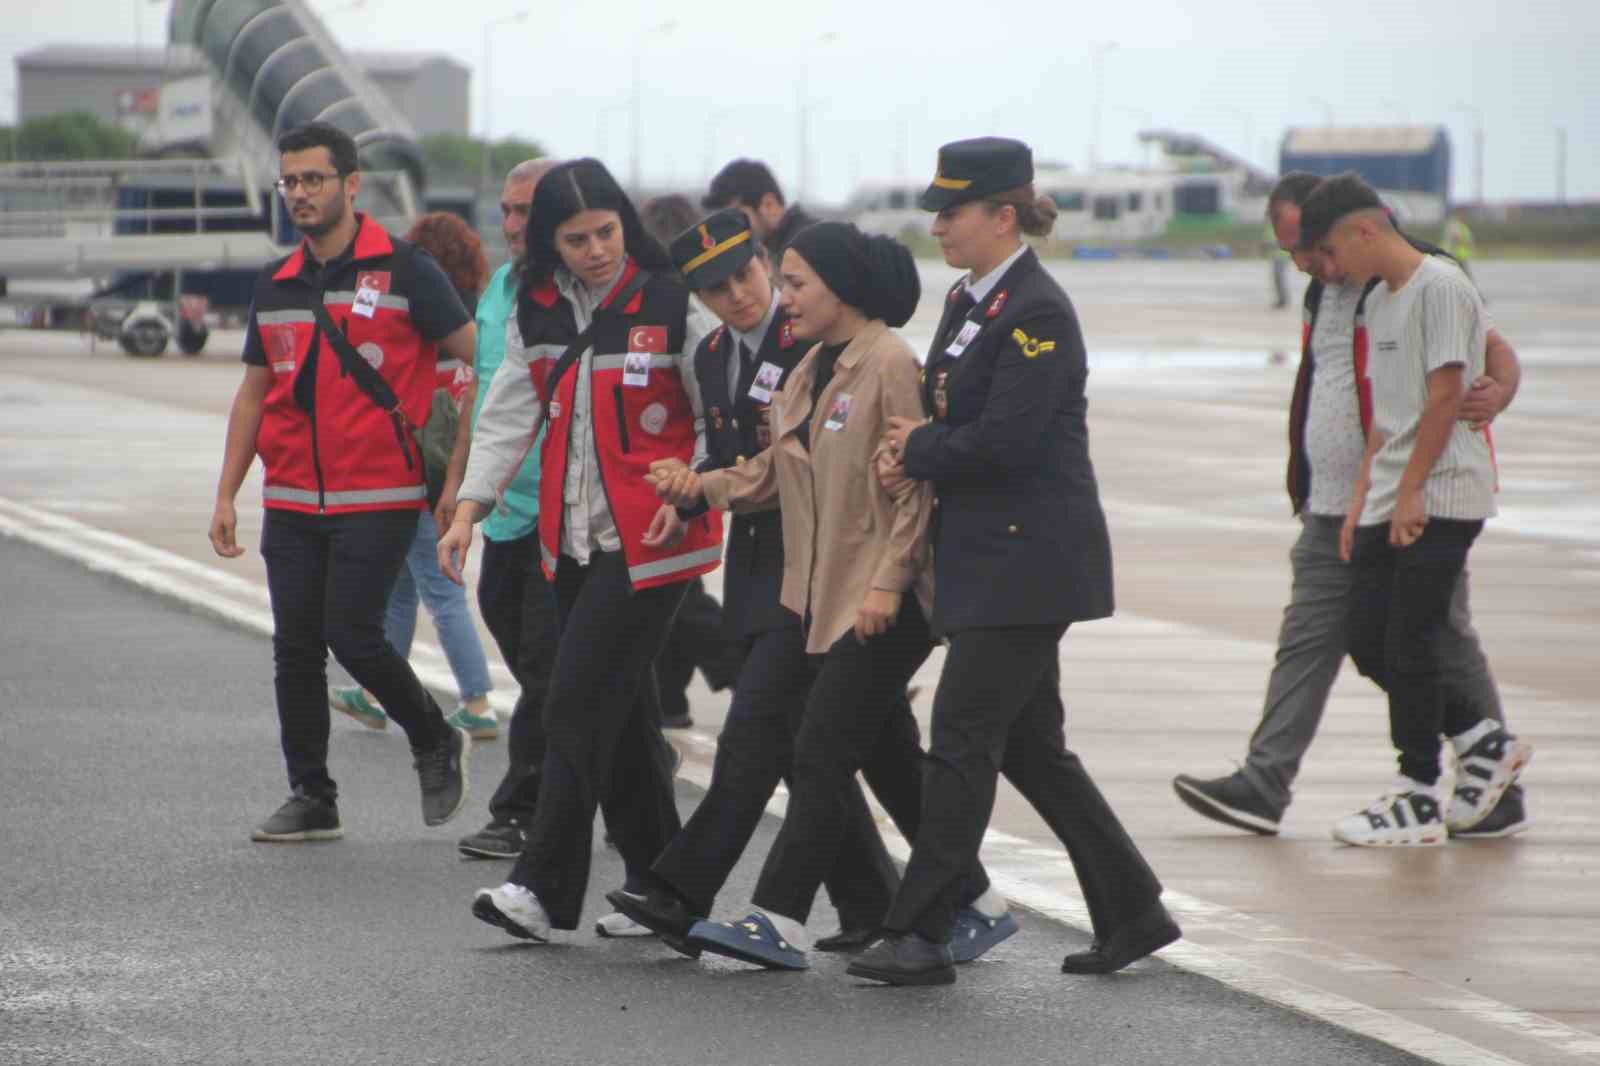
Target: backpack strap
x,y
579,343
366,377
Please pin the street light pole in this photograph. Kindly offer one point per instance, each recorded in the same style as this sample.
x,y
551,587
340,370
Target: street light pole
x,y
488,91
803,163
1561,164
1249,130
661,30
1100,51
1477,149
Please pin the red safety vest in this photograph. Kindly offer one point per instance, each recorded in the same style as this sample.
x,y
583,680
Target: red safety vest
x,y
344,455
633,425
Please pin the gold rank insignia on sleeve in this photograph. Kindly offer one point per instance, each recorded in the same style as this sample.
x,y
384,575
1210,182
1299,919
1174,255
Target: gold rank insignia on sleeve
x,y
1031,347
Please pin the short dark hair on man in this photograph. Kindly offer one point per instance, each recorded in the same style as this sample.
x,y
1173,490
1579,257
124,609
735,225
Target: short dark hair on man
x,y
1341,195
1292,188
339,144
743,181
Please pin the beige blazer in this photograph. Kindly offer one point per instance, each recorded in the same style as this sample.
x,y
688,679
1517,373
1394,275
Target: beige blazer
x,y
843,533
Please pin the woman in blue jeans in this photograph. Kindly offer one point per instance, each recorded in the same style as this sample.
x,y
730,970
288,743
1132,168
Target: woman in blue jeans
x,y
458,250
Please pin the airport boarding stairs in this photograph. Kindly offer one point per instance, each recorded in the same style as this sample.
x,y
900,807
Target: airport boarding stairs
x,y
273,65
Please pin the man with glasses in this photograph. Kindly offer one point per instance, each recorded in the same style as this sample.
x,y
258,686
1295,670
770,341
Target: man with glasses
x,y
340,355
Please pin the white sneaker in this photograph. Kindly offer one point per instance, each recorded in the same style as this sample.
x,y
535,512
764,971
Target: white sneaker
x,y
514,909
1407,818
617,924
1483,773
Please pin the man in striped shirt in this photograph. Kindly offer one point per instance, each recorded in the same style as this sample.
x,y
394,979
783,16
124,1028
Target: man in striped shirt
x,y
1426,487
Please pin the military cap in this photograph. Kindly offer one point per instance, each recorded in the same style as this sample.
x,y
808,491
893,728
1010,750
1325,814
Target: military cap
x,y
710,251
973,169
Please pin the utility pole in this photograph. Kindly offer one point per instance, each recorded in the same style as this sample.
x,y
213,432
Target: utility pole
x,y
1561,164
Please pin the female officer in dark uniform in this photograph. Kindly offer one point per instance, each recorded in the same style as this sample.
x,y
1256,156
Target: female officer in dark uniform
x,y
1020,552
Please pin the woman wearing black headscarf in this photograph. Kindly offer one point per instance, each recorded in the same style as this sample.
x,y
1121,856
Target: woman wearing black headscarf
x,y
854,559
599,355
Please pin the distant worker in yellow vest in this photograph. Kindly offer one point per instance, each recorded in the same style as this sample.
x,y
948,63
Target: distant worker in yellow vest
x,y
1457,242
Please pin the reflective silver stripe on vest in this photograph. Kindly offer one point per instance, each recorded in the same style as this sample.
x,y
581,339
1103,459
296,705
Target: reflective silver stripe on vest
x,y
398,303
688,561
345,499
282,318
667,361
552,352
449,366
548,559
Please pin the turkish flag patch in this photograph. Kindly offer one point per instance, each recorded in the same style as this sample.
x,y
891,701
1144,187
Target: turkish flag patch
x,y
377,280
652,339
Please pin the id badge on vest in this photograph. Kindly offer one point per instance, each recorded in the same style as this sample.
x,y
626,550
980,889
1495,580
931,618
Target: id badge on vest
x,y
636,369
766,381
969,332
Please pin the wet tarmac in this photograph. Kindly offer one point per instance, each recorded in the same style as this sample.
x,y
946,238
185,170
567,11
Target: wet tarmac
x,y
1485,952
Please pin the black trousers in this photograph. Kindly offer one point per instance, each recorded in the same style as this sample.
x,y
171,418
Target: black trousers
x,y
329,577
755,751
603,744
856,718
519,607
696,639
998,711
1399,613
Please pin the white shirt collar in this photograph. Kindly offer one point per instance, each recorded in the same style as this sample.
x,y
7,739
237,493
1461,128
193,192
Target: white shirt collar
x,y
979,290
753,339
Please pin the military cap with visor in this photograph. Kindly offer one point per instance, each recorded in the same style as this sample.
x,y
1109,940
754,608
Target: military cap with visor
x,y
976,168
712,250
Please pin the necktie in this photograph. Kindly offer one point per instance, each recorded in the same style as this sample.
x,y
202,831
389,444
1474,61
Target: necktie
x,y
961,307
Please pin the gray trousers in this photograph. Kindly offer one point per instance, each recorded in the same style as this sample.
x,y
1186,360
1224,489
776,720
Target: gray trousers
x,y
1312,644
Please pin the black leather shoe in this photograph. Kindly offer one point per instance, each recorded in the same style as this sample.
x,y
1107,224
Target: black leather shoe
x,y
847,941
1151,931
905,960
662,912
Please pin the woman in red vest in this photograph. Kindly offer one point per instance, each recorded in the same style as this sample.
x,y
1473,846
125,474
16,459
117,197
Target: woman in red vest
x,y
600,350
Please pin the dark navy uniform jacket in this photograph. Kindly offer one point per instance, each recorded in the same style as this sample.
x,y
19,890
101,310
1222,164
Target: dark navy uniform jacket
x,y
1019,537
737,428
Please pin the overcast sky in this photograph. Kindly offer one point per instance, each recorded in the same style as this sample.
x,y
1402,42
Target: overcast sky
x,y
886,82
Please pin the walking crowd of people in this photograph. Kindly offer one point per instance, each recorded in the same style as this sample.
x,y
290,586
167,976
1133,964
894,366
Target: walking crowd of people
x,y
643,395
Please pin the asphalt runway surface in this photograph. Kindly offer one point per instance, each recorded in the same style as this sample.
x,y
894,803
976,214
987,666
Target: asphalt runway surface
x,y
139,924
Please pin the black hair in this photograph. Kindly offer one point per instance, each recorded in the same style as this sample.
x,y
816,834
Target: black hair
x,y
1331,200
575,187
743,181
872,273
1292,188
340,145
667,216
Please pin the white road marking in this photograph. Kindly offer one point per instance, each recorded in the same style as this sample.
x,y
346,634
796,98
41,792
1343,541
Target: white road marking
x,y
1027,873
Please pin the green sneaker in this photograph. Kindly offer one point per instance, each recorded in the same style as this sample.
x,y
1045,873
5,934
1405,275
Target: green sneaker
x,y
478,727
352,701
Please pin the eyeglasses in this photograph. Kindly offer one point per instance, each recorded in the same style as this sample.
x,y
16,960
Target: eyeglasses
x,y
311,181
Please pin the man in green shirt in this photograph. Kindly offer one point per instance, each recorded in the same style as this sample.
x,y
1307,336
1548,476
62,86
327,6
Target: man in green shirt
x,y
513,596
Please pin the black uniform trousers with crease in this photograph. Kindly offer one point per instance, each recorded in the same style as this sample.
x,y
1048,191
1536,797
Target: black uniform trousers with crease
x,y
604,746
754,752
998,711
855,713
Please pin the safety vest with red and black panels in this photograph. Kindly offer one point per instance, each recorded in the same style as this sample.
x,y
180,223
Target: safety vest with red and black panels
x,y
327,448
633,424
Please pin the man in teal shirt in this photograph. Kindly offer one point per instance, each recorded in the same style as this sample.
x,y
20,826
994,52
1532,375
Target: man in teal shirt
x,y
513,596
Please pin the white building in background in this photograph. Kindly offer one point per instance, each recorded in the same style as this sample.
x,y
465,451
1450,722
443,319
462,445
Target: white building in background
x,y
1194,186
